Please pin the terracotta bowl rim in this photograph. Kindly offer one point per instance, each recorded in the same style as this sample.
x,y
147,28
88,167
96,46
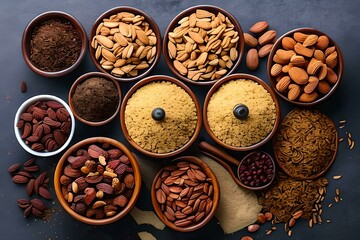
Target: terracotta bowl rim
x,y
82,79
216,86
340,66
26,37
188,11
60,167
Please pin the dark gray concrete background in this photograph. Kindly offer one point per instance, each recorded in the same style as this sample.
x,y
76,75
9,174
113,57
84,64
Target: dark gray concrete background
x,y
339,19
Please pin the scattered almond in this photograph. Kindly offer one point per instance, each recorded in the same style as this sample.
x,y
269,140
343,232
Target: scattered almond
x,y
250,40
259,27
252,59
267,37
265,50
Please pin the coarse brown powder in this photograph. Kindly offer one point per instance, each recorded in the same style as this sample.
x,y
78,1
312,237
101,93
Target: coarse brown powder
x,y
96,99
55,45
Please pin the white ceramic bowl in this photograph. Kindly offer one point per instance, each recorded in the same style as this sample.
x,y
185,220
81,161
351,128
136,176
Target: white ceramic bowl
x,y
23,108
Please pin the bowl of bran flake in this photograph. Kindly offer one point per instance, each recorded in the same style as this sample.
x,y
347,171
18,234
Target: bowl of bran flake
x,y
160,116
241,112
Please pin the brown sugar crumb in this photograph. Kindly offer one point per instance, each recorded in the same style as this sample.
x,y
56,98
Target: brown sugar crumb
x,y
169,134
234,131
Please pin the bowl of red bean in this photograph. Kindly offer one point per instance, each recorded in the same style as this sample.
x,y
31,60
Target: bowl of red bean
x,y
256,170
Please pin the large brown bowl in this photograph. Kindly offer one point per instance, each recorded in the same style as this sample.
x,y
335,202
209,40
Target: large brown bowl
x,y
63,162
82,79
143,73
338,69
216,196
26,38
187,12
141,84
216,87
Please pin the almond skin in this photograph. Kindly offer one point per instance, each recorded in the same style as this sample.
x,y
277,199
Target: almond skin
x,y
323,87
267,37
310,40
299,75
252,59
304,51
288,43
283,84
250,40
294,92
300,37
275,69
265,50
306,98
311,86
259,27
322,42
331,76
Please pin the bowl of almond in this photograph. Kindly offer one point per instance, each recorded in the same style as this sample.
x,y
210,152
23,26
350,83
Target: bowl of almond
x,y
305,66
203,44
125,43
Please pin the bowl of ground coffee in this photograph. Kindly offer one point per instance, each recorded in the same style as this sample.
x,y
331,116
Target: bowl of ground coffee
x,y
160,116
53,44
95,98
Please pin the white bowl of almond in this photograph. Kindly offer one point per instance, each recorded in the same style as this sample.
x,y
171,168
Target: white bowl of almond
x,y
305,66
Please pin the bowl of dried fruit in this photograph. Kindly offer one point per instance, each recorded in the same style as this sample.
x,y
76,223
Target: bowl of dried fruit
x,y
305,66
160,116
125,43
97,181
95,98
53,44
241,112
203,44
44,125
185,194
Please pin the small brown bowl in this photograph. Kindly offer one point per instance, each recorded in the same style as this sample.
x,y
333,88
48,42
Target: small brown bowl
x,y
249,159
215,193
338,69
142,73
155,79
216,86
100,141
27,35
174,23
81,80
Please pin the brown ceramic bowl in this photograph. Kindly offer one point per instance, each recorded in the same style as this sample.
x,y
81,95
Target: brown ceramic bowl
x,y
83,145
248,160
174,23
142,73
81,80
316,170
142,83
27,35
216,87
339,68
215,199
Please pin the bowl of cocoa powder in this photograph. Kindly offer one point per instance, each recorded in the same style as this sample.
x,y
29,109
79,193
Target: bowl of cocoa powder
x,y
95,98
44,125
53,44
